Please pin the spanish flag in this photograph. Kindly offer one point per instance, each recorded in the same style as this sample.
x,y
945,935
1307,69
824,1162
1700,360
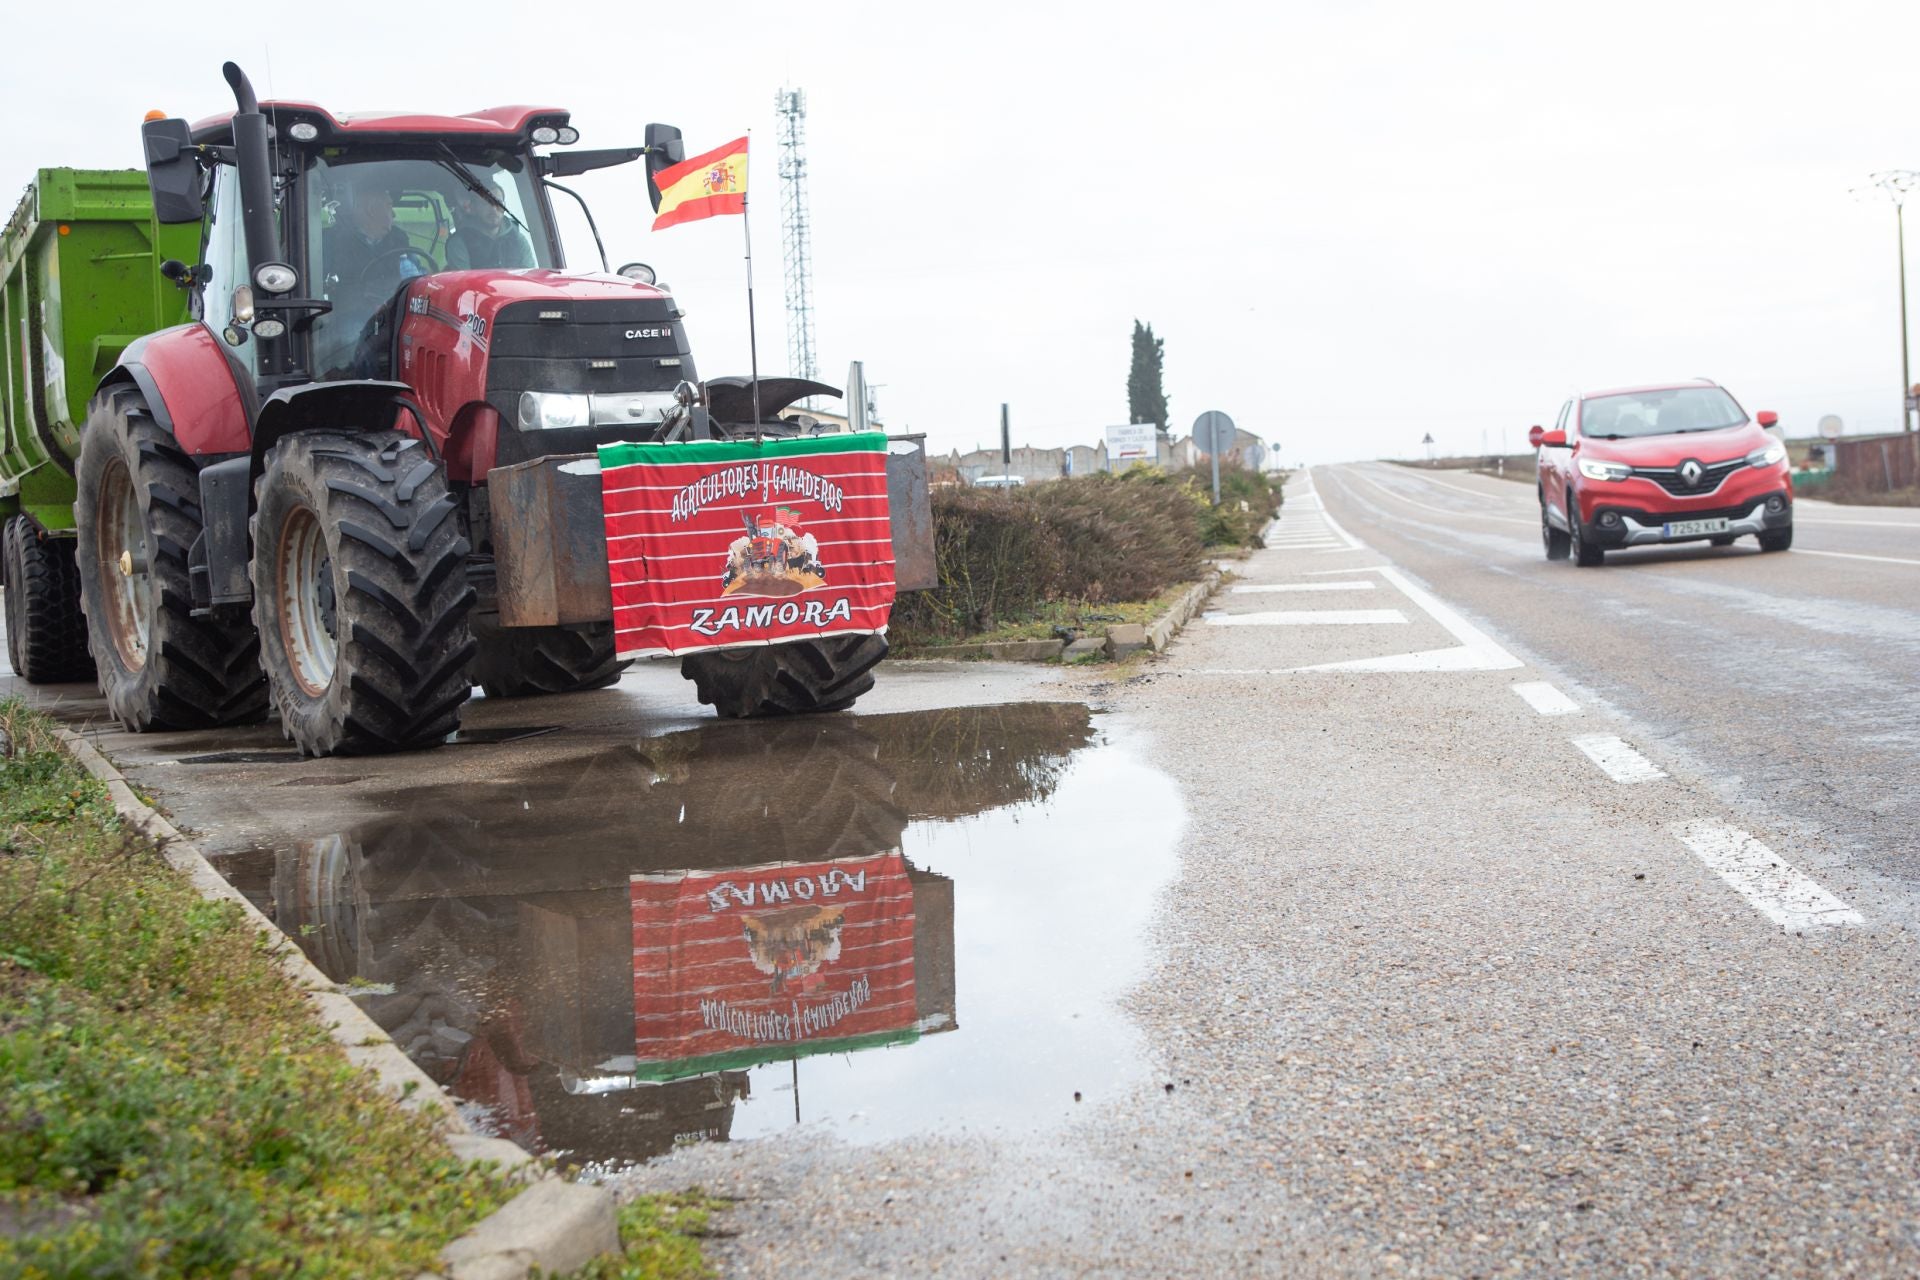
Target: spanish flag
x,y
702,187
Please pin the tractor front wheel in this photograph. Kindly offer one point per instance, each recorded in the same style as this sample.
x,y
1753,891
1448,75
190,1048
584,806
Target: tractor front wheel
x,y
360,593
526,662
797,678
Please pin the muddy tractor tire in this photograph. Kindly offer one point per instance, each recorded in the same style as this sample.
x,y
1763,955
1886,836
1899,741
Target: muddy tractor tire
x,y
360,593
800,678
46,632
526,662
138,513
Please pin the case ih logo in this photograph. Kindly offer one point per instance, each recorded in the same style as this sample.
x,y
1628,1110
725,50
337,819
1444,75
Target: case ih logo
x,y
664,331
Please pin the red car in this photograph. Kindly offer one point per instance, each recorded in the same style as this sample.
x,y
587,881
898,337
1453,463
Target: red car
x,y
1675,462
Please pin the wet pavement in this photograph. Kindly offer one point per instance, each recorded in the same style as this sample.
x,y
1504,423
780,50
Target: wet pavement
x,y
882,925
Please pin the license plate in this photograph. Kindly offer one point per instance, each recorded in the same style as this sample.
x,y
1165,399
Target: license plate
x,y
1692,528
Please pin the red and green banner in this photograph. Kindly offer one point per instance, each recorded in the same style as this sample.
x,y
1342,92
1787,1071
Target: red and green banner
x,y
718,544
746,965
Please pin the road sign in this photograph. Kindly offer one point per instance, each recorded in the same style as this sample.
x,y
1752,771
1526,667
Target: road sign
x,y
1830,426
1134,442
1214,432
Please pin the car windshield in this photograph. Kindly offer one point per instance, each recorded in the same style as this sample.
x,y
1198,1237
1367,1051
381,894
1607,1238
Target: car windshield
x,y
1659,413
378,220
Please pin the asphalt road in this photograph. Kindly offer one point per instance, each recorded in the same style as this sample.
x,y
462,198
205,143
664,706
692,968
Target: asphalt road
x,y
1791,679
1428,909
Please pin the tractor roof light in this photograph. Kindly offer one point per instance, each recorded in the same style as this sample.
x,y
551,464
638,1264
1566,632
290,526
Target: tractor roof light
x,y
276,277
269,328
545,135
303,131
567,135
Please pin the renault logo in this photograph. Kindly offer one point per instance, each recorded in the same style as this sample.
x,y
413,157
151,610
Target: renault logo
x,y
1691,471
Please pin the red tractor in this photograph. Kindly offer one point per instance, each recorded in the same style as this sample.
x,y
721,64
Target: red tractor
x,y
286,502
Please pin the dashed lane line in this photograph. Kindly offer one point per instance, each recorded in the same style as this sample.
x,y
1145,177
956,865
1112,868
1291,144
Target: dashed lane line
x,y
1849,555
1309,618
1618,760
1777,889
1546,699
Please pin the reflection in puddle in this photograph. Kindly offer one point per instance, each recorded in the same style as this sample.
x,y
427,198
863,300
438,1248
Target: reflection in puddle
x,y
716,933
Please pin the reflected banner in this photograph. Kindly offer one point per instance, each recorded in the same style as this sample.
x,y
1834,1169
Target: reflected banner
x,y
715,544
736,967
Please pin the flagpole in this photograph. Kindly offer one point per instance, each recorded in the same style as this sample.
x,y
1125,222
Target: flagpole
x,y
753,341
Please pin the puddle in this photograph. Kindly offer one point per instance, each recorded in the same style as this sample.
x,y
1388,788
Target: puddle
x,y
506,733
883,924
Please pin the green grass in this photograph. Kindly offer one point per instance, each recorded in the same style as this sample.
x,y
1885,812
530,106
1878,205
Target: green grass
x,y
168,1104
661,1238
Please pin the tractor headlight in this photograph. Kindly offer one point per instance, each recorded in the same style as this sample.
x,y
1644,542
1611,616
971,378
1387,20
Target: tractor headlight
x,y
553,410
546,135
1768,456
276,277
556,410
1596,470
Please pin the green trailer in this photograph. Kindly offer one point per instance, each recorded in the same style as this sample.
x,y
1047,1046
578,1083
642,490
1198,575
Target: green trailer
x,y
79,280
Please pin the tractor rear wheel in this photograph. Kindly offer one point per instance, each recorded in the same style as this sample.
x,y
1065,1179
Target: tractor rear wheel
x,y
46,632
797,678
360,593
138,513
526,662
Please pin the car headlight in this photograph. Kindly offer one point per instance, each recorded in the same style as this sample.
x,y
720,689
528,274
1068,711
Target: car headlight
x,y
553,410
1768,456
1593,470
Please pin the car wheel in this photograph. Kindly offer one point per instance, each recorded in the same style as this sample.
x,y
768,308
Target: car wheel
x,y
1556,540
1777,539
1585,553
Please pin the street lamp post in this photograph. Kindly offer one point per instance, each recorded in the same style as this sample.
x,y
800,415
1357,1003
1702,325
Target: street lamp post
x,y
1896,183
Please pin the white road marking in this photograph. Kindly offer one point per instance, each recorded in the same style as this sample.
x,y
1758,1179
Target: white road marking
x,y
1778,890
1310,618
1303,586
1455,512
1619,761
1848,555
1546,699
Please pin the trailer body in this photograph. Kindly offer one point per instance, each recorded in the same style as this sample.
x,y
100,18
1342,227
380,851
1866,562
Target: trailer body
x,y
79,282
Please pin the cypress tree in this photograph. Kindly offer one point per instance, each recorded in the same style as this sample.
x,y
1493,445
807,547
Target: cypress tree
x,y
1146,397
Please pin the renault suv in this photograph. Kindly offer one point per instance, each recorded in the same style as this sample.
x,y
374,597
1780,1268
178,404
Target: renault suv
x,y
1677,462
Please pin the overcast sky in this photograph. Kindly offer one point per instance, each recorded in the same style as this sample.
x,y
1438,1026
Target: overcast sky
x,y
1352,223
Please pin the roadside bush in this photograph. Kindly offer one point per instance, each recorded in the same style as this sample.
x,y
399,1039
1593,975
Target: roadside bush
x,y
1003,554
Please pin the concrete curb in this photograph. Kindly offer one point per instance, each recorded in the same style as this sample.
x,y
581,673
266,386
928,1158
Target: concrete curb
x,y
1160,633
553,1225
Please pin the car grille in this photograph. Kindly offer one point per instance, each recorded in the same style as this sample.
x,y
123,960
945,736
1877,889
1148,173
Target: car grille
x,y
1711,475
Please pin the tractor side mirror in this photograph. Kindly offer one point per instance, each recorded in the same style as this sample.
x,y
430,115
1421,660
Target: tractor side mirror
x,y
664,147
173,172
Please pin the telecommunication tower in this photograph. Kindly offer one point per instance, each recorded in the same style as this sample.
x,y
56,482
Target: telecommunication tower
x,y
791,105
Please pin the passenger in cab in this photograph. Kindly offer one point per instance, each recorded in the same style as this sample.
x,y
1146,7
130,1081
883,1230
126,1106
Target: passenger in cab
x,y
487,237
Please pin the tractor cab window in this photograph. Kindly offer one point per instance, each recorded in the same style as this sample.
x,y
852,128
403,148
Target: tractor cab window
x,y
376,221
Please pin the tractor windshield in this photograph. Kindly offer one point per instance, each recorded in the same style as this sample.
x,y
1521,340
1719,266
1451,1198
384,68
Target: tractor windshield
x,y
376,220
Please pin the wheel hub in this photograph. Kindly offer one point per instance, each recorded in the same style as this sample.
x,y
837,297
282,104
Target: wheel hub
x,y
307,605
123,568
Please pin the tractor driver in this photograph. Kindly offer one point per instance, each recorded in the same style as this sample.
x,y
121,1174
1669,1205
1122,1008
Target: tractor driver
x,y
487,237
363,235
